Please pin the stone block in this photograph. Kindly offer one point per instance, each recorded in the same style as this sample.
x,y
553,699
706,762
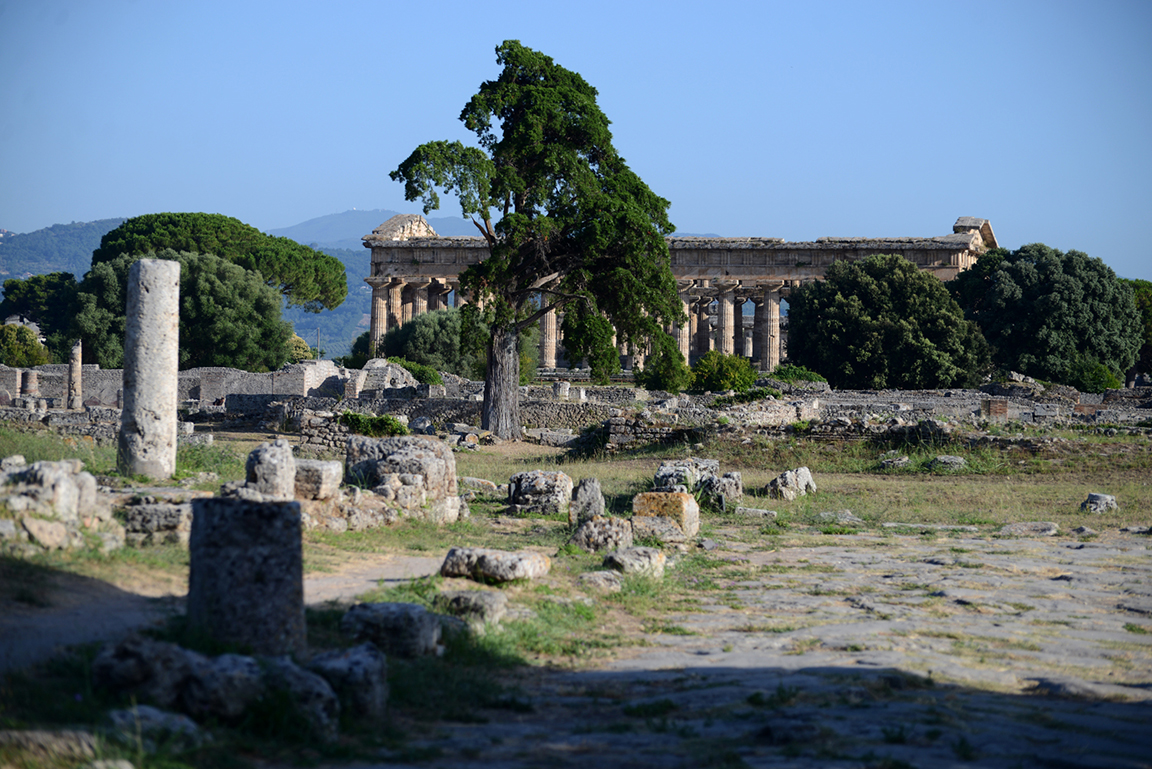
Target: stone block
x,y
1099,503
155,671
659,529
645,561
1030,529
488,565
271,471
223,688
369,459
601,533
359,676
608,581
476,607
540,491
317,479
690,473
246,580
679,507
791,484
400,629
310,694
159,523
587,502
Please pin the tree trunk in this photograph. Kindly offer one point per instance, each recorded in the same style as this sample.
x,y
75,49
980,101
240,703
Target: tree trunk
x,y
501,413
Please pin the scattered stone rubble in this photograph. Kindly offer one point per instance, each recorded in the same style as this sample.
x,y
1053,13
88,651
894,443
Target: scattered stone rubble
x,y
53,505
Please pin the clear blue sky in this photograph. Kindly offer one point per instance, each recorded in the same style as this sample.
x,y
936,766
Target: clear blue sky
x,y
791,119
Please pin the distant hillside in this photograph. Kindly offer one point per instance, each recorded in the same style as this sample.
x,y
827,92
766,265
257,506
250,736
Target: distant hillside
x,y
59,248
346,230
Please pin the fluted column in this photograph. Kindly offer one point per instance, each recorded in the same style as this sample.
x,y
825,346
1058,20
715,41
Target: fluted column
x,y
684,330
437,296
772,330
379,321
548,340
724,319
703,326
395,304
420,297
759,321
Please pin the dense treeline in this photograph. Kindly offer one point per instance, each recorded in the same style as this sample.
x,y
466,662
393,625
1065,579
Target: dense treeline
x,y
59,248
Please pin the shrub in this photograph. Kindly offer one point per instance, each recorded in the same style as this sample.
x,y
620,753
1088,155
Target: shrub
x,y
665,369
1091,376
717,372
383,426
424,374
20,348
791,373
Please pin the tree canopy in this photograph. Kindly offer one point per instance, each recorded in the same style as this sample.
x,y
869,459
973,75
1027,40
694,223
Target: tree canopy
x,y
228,315
574,228
1142,293
307,278
48,300
20,347
882,323
1048,313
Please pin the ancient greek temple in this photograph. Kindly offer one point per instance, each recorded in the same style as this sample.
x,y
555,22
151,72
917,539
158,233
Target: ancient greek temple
x,y
414,270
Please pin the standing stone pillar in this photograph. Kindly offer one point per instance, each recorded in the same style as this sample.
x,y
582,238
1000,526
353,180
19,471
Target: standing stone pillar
x,y
75,372
420,297
745,338
395,304
147,444
684,330
454,287
548,340
759,321
30,385
703,326
406,310
772,330
379,321
725,329
436,296
246,577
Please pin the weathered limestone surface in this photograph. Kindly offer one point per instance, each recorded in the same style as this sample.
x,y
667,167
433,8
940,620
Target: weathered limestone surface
x,y
359,676
317,479
791,484
147,442
75,372
271,471
587,502
488,565
601,533
677,506
540,491
647,561
246,581
387,461
402,629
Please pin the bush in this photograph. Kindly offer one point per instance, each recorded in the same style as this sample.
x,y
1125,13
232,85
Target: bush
x,y
665,369
717,372
383,426
424,374
790,373
20,348
1091,376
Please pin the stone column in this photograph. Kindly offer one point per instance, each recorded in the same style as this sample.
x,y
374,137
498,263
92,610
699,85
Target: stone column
x,y
725,329
75,372
548,340
454,287
703,327
758,324
420,297
436,296
379,322
771,357
246,577
745,337
30,384
684,330
406,310
147,444
395,304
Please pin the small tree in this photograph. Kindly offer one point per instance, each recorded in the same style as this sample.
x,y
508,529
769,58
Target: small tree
x,y
20,347
576,229
717,372
880,322
298,349
1142,293
1045,311
49,301
665,369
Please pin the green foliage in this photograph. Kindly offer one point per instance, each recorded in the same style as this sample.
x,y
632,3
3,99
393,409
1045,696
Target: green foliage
x,y
1043,310
382,426
755,394
424,374
1142,293
59,248
432,339
880,322
1091,376
228,315
298,349
791,373
577,228
20,347
307,278
665,369
717,372
49,301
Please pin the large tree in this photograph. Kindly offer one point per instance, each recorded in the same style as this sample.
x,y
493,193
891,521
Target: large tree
x,y
574,228
882,323
1049,313
228,315
48,300
1142,293
307,278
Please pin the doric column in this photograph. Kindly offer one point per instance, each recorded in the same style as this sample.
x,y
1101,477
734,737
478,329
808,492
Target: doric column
x,y
75,372
395,304
758,326
745,337
703,326
725,328
454,287
379,317
548,340
30,386
771,358
147,440
437,296
420,296
684,330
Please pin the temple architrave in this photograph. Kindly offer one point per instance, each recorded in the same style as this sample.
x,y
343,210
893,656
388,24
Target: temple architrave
x,y
414,270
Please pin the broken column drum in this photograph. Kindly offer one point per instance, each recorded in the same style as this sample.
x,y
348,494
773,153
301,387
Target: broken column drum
x,y
246,581
75,369
147,444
